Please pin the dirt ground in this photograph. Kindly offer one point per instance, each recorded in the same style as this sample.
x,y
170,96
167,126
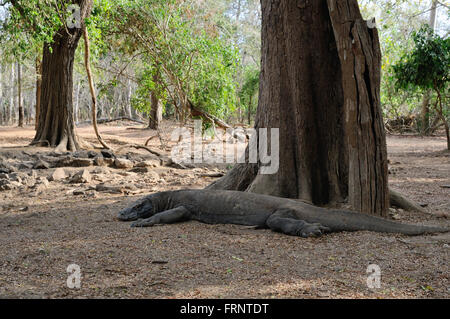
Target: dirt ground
x,y
41,233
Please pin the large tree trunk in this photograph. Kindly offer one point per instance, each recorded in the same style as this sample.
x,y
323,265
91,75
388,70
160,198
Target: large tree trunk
x,y
320,85
56,125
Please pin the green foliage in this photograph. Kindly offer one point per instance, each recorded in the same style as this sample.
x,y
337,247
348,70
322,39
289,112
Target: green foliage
x,y
427,66
249,90
28,24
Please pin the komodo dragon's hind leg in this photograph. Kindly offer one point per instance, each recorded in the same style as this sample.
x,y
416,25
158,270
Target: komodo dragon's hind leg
x,y
282,221
170,216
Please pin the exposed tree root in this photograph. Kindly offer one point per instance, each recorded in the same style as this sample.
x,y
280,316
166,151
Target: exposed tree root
x,y
243,177
40,143
399,200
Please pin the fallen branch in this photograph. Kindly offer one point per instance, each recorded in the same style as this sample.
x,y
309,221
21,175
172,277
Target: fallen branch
x,y
103,121
197,112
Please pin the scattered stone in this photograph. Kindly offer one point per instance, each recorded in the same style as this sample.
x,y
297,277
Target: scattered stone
x,y
81,162
101,170
23,166
78,192
42,181
58,154
40,164
41,184
109,161
124,174
131,187
7,185
6,168
70,161
4,176
392,211
100,161
17,177
147,164
140,170
33,174
58,175
153,175
123,163
81,177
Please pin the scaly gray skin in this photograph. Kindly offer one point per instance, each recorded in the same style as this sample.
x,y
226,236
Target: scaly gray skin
x,y
283,215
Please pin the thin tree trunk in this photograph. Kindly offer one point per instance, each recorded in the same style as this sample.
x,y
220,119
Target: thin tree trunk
x,y
91,86
19,95
38,90
11,98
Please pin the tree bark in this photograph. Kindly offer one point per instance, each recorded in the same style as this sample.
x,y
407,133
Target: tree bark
x,y
155,112
320,84
56,123
77,102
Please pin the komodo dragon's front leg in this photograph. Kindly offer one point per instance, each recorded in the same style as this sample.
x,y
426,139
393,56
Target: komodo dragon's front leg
x,y
284,221
175,215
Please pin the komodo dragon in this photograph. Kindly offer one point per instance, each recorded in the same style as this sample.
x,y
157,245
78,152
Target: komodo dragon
x,y
283,215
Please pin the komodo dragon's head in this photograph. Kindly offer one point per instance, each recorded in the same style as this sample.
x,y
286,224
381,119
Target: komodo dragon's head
x,y
140,209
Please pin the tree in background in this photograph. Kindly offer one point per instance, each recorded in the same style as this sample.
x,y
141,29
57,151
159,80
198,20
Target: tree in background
x,y
196,62
34,23
427,66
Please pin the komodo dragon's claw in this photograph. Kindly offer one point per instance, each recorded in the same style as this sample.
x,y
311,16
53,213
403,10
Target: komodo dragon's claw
x,y
313,230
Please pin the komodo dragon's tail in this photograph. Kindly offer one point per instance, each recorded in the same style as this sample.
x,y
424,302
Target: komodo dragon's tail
x,y
350,221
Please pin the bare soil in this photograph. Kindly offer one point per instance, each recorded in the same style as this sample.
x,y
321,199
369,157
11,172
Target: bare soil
x,y
41,233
